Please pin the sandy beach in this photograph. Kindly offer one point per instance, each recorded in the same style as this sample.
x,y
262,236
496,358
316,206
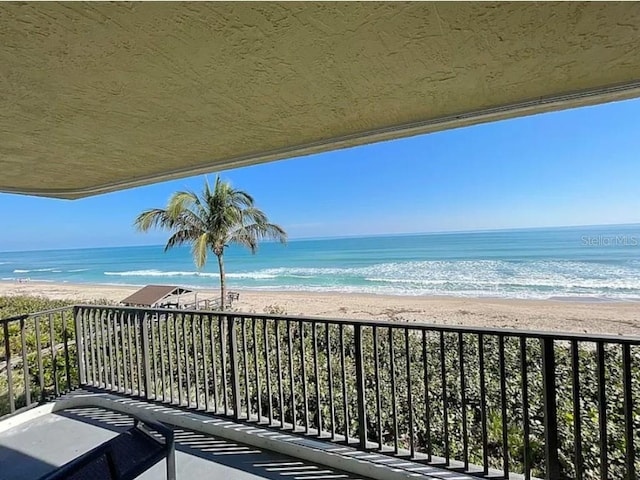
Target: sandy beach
x,y
558,315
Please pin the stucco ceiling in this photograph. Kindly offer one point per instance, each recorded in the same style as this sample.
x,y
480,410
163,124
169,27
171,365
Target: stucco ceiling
x,y
96,97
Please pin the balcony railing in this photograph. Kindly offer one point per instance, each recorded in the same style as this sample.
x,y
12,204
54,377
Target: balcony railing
x,y
38,358
477,400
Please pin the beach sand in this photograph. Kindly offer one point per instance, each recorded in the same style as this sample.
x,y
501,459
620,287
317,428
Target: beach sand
x,y
549,315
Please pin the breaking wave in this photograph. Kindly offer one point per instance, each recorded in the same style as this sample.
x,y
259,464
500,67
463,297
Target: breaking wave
x,y
160,273
53,270
523,279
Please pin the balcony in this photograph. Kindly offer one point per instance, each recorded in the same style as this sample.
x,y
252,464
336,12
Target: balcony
x,y
275,396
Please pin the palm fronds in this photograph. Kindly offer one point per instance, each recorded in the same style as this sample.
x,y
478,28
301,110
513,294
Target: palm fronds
x,y
211,221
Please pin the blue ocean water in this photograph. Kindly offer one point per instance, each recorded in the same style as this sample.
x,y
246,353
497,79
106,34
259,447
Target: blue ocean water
x,y
599,262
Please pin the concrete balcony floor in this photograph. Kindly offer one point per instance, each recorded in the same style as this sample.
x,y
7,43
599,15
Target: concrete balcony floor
x,y
36,447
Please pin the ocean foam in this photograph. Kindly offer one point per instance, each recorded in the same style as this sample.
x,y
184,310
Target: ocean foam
x,y
52,269
160,273
468,278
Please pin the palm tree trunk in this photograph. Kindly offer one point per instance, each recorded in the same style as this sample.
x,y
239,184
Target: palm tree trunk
x,y
223,288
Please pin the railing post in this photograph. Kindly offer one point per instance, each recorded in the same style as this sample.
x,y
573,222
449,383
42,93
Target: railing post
x,y
77,316
146,360
233,357
628,412
360,387
7,357
550,412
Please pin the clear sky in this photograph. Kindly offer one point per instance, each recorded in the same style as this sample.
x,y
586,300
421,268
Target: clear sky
x,y
576,167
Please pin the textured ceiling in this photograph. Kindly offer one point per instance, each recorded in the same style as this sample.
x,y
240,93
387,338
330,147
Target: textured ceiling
x,y
97,97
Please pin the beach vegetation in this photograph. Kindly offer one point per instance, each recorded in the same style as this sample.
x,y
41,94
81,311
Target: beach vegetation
x,y
211,221
275,309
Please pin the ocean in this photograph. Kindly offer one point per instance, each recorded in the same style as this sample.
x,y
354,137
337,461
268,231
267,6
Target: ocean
x,y
601,262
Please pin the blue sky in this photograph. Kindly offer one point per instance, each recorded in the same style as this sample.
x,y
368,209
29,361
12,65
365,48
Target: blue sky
x,y
576,167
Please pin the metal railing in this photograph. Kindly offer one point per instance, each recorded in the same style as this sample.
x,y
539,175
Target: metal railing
x,y
37,358
478,400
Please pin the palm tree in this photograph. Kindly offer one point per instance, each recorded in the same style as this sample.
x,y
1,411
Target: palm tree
x,y
212,221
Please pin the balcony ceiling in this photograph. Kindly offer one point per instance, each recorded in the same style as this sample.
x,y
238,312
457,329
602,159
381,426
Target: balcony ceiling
x,y
97,97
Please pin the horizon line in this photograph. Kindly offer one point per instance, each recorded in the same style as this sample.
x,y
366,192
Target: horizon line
x,y
342,237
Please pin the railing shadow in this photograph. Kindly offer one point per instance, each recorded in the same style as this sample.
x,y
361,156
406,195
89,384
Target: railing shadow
x,y
17,465
260,463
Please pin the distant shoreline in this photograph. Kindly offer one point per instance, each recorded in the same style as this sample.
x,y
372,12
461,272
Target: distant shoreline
x,y
584,316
